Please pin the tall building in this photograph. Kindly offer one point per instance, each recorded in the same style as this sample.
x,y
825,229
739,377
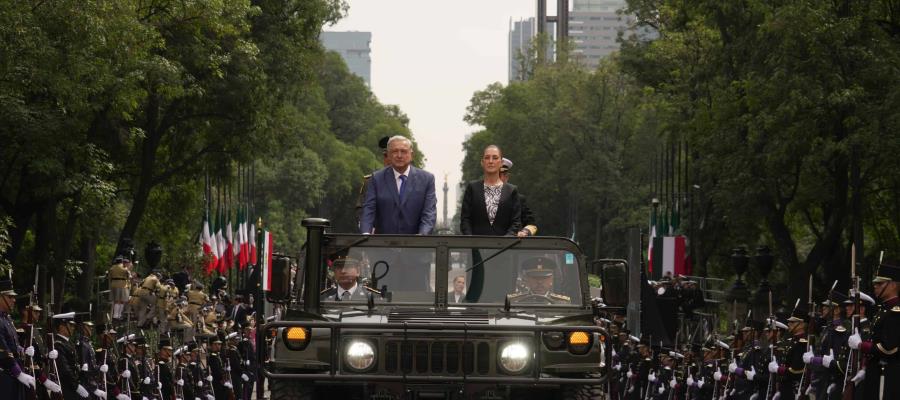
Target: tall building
x,y
354,48
520,34
594,27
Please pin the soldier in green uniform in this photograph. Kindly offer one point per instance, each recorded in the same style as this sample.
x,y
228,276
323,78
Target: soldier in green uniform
x,y
361,198
537,283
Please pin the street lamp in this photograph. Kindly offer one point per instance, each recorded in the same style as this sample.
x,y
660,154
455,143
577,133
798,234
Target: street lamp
x,y
738,294
764,262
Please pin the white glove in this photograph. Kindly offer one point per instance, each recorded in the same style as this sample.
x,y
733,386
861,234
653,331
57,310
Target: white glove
x,y
99,393
750,374
860,375
209,378
126,373
29,351
229,385
147,380
773,366
732,367
228,368
700,383
651,377
26,379
245,377
200,383
717,376
690,380
629,374
826,360
52,386
82,392
104,368
53,354
84,367
854,340
180,382
247,363
831,388
144,398
617,366
122,396
661,390
807,357
210,397
158,385
673,382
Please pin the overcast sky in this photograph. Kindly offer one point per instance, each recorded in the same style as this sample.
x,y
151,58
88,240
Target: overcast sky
x,y
429,57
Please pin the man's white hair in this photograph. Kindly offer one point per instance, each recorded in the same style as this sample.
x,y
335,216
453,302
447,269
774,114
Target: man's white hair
x,y
400,138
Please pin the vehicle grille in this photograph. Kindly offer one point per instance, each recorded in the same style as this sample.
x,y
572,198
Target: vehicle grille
x,y
438,357
440,317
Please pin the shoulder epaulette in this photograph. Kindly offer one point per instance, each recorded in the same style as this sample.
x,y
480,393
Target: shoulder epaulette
x,y
895,309
803,340
840,329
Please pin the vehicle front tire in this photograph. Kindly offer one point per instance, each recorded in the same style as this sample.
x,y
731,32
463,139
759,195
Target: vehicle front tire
x,y
581,392
282,389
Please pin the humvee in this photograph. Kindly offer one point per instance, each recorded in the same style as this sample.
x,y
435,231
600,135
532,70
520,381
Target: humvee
x,y
410,336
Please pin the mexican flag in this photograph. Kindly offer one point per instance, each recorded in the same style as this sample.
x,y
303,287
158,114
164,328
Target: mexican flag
x,y
252,245
220,240
669,256
652,238
242,249
229,247
209,243
266,260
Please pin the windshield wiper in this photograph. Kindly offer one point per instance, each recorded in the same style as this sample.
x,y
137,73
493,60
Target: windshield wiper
x,y
507,247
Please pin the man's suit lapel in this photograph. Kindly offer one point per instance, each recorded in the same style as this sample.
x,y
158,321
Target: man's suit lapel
x,y
391,183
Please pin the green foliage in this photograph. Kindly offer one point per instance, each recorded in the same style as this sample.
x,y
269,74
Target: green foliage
x,y
113,113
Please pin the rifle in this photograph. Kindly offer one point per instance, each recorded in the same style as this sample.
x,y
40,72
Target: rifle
x,y
853,359
736,332
774,335
55,370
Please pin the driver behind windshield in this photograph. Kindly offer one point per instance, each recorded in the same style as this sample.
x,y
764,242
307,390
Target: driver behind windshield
x,y
537,280
346,278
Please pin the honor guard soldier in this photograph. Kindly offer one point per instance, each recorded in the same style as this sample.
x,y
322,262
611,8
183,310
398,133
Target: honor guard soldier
x,y
89,375
791,365
119,282
63,357
220,380
529,224
126,367
882,365
184,379
13,379
247,353
233,362
537,283
165,380
361,197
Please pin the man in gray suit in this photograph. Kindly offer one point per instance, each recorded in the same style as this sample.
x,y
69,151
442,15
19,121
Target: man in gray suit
x,y
400,198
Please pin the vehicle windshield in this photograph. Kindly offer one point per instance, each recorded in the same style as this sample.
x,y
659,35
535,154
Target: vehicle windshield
x,y
479,276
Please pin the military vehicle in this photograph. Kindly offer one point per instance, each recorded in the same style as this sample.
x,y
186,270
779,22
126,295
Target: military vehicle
x,y
521,327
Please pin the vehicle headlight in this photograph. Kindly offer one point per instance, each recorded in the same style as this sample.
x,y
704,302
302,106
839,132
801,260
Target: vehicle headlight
x,y
360,355
514,357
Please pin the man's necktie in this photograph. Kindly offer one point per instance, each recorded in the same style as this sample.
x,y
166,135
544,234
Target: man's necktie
x,y
345,296
402,186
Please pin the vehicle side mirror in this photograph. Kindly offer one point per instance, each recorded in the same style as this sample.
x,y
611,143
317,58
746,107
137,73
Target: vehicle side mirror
x,y
614,276
281,280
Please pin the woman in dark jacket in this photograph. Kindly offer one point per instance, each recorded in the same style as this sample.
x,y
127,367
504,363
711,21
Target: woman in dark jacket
x,y
490,207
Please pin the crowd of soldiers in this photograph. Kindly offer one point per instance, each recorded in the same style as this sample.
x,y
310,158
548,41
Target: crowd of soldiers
x,y
844,347
164,338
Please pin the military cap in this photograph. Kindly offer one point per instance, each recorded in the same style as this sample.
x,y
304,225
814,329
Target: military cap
x,y
165,343
6,288
220,337
862,297
118,260
342,262
505,165
888,271
383,142
139,340
800,314
834,298
538,267
68,317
